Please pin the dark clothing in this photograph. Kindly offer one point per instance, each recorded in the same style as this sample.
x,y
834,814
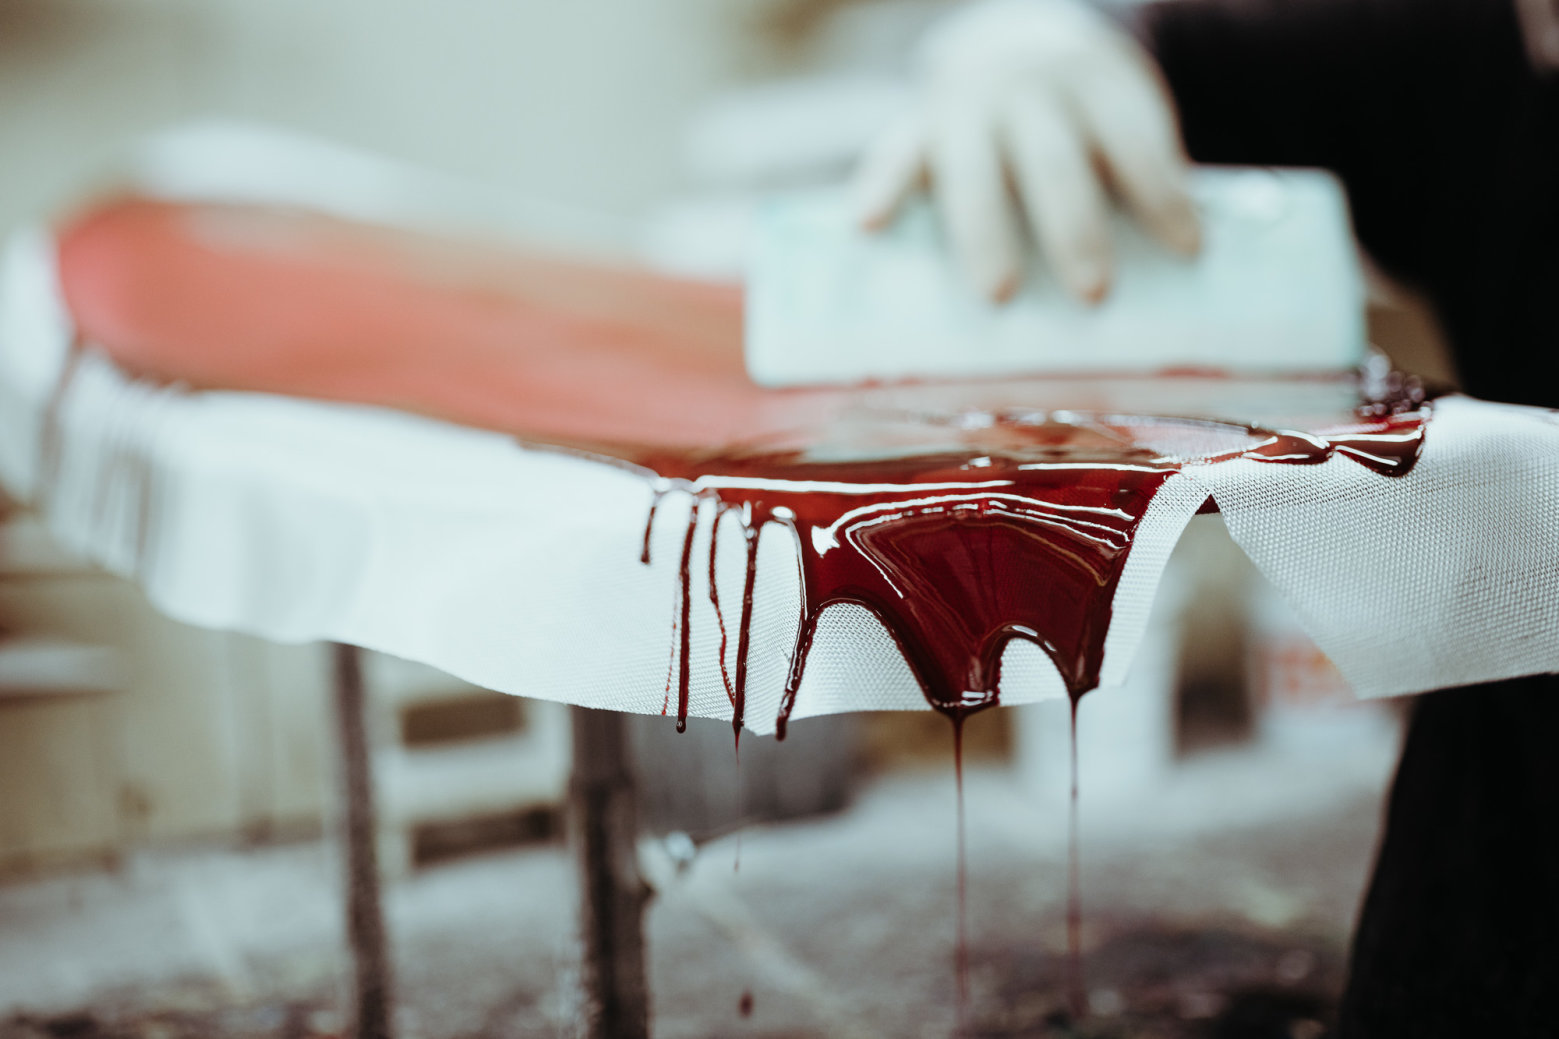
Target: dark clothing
x,y
1459,935
1448,142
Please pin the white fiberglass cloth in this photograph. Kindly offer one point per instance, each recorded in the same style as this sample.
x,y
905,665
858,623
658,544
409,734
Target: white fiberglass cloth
x,y
1445,577
518,569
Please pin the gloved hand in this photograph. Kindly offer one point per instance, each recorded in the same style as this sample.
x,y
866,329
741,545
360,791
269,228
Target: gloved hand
x,y
1049,97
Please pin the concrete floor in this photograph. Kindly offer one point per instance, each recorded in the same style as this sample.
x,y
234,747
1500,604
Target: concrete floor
x,y
1218,904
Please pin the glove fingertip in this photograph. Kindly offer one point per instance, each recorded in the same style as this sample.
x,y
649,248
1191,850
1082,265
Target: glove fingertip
x,y
1180,226
874,217
1005,288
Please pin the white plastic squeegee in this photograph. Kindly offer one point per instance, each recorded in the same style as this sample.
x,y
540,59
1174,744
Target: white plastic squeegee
x,y
1277,288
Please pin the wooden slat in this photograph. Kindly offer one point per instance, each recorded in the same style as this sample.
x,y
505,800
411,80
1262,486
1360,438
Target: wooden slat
x,y
34,668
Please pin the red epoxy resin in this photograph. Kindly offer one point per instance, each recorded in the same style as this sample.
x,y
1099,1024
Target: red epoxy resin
x,y
955,559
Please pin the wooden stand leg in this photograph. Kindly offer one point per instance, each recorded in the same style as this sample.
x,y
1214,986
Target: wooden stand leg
x,y
603,830
371,1004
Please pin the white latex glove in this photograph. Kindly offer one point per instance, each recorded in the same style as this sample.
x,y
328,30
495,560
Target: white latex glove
x,y
1050,98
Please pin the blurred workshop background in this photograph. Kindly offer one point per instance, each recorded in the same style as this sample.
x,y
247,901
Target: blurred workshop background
x,y
601,113
163,789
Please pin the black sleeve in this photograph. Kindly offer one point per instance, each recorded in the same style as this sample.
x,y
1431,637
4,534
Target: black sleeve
x,y
1447,140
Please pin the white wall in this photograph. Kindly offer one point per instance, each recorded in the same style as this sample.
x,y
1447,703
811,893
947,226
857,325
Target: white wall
x,y
580,102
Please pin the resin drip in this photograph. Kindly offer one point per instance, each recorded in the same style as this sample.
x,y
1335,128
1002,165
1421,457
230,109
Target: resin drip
x,y
961,950
954,559
961,533
1076,990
